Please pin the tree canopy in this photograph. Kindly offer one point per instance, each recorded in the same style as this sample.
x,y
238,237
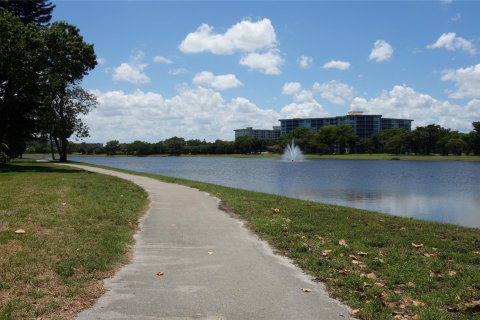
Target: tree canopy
x,y
41,67
29,11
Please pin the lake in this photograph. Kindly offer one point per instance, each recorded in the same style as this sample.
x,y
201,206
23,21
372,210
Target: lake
x,y
443,191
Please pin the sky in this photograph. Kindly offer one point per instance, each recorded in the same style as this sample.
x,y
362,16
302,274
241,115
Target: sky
x,y
199,70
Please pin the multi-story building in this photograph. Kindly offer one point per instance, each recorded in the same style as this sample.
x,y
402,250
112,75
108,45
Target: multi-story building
x,y
258,133
363,125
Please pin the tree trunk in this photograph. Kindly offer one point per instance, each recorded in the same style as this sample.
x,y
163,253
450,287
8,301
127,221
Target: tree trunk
x,y
59,148
64,150
51,148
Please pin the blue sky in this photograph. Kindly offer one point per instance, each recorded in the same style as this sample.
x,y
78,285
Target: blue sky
x,y
202,69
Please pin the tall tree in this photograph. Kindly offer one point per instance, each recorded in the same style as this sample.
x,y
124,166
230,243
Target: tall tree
x,y
30,11
70,58
22,65
64,117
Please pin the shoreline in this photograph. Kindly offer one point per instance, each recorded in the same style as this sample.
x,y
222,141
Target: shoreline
x,y
382,156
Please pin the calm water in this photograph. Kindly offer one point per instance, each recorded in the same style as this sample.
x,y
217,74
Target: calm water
x,y
438,191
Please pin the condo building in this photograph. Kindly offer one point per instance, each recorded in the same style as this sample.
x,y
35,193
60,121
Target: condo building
x,y
363,125
258,133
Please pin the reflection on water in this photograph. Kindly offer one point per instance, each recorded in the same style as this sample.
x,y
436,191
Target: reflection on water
x,y
437,191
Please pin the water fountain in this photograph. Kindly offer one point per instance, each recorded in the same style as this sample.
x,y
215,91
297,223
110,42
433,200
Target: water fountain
x,y
292,152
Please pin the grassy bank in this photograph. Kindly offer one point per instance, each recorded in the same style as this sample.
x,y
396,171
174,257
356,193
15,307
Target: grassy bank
x,y
383,266
385,156
77,225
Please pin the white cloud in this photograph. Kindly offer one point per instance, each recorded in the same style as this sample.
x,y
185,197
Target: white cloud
x,y
220,82
162,59
179,71
290,88
304,62
382,51
304,104
467,81
101,60
405,102
306,109
246,36
268,63
337,64
334,91
451,42
457,17
133,71
193,113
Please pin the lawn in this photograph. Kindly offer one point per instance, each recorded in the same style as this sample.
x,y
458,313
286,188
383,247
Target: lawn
x,y
78,227
78,224
384,267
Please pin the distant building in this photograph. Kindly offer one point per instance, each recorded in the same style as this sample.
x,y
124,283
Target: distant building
x,y
363,125
258,133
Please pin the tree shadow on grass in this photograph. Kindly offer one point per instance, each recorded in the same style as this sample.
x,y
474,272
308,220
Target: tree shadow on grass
x,y
32,167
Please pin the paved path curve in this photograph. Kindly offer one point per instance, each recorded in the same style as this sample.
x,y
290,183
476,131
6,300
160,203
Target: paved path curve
x,y
214,268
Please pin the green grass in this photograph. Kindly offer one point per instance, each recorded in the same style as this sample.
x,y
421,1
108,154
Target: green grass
x,y
440,279
385,156
78,228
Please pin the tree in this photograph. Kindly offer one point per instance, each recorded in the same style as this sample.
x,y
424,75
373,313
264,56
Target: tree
x,y
22,65
474,138
175,145
40,69
29,11
456,146
344,138
112,147
63,117
69,60
303,138
425,140
326,136
394,141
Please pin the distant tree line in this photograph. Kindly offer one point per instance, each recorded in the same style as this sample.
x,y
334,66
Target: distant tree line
x,y
431,139
41,68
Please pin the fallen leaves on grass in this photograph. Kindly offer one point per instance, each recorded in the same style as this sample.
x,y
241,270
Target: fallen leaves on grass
x,y
276,210
473,306
361,253
417,246
343,243
428,255
452,273
20,231
306,290
160,274
371,275
343,271
326,252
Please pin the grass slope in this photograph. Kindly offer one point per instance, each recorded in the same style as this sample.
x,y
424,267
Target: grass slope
x,y
383,266
78,226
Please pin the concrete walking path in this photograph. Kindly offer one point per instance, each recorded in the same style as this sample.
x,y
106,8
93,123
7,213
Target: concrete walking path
x,y
214,268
